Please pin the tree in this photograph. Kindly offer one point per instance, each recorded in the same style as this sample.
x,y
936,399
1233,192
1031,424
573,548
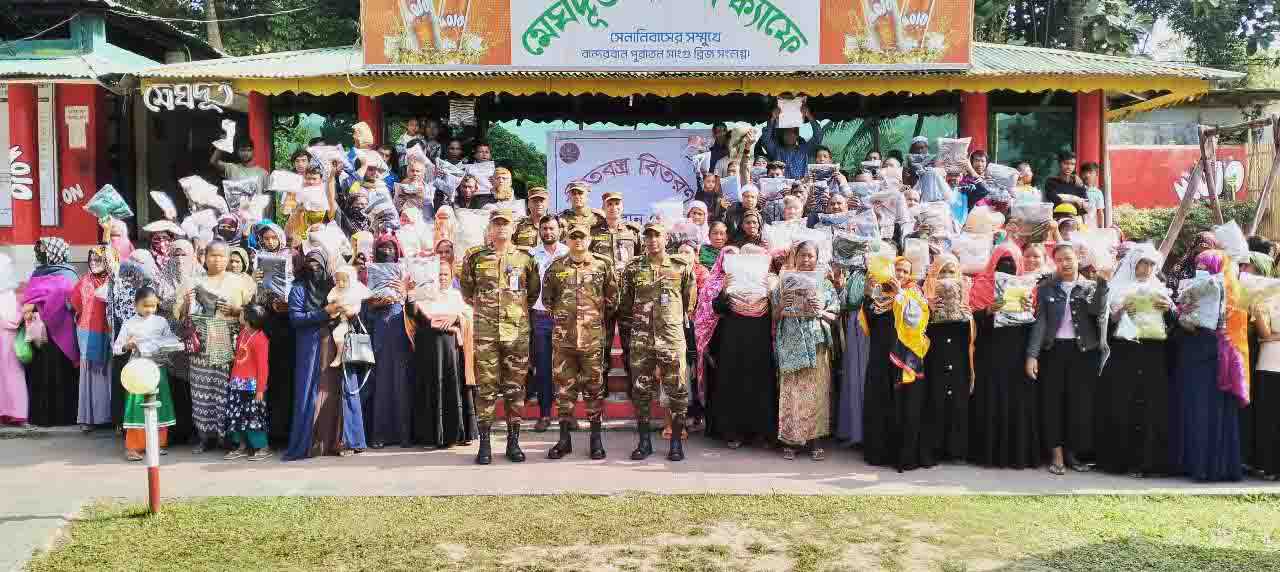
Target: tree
x,y
318,23
1227,34
1099,26
522,158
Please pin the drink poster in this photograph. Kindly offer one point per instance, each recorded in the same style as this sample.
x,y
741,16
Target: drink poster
x,y
668,34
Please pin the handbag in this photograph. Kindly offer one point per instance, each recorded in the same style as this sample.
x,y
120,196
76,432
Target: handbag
x,y
36,333
358,347
22,348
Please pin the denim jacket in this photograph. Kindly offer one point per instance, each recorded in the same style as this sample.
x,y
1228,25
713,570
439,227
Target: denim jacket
x,y
1088,305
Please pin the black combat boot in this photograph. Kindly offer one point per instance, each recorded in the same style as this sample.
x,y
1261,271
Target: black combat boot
x,y
565,445
645,448
597,446
485,455
514,454
677,445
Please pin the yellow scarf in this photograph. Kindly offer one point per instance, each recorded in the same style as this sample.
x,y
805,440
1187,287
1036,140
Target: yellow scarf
x,y
911,318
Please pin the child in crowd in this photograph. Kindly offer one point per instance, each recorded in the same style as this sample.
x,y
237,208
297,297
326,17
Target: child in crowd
x,y
144,327
245,406
348,293
1097,204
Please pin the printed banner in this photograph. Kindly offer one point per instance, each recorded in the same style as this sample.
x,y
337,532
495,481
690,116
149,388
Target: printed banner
x,y
645,166
667,34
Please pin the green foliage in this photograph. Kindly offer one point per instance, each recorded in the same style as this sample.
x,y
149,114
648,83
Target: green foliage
x,y
322,23
1153,224
522,157
1099,26
292,132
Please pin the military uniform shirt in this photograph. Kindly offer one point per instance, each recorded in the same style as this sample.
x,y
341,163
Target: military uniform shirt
x,y
656,298
501,287
579,295
619,245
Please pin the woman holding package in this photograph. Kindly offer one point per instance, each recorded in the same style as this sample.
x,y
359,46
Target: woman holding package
x,y
52,376
896,390
13,380
1064,355
949,363
1133,397
327,419
89,301
736,365
440,325
1211,380
752,230
1005,429
802,348
213,303
270,238
389,415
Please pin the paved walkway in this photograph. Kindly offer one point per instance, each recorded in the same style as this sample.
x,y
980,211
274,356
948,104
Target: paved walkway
x,y
46,478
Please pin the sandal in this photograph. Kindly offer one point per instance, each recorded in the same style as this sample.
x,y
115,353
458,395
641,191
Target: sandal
x,y
734,444
788,453
233,455
346,453
1057,469
132,456
261,454
818,455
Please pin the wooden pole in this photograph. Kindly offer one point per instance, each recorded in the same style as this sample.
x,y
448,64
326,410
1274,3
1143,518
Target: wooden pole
x,y
1208,164
1188,199
1264,200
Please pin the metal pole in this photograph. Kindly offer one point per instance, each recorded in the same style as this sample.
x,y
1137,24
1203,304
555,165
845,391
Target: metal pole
x,y
151,424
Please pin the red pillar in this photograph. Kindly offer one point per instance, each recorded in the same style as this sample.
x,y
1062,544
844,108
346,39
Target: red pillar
x,y
369,110
80,170
1089,118
22,157
973,122
260,129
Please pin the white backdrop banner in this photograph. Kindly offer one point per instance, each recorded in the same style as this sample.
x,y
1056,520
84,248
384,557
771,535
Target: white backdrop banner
x,y
645,166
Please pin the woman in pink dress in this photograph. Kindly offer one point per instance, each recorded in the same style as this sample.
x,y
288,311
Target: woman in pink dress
x,y
13,381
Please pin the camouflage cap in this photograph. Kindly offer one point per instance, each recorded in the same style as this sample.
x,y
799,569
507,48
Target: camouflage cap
x,y
611,195
655,226
539,192
578,228
502,213
580,185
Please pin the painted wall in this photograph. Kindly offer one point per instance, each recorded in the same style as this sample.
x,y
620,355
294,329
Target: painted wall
x,y
1144,175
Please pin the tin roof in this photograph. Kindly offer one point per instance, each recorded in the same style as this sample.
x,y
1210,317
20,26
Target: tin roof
x,y
107,60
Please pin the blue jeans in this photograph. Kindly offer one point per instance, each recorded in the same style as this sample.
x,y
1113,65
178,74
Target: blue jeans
x,y
541,382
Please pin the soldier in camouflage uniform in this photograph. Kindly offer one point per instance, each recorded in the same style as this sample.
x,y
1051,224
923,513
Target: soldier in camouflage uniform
x,y
658,294
579,211
579,290
501,283
619,240
527,230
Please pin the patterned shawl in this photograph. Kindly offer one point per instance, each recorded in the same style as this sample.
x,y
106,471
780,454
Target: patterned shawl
x,y
706,318
1233,329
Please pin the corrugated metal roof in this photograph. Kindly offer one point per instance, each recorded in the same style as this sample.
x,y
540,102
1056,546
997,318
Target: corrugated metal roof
x,y
88,67
988,60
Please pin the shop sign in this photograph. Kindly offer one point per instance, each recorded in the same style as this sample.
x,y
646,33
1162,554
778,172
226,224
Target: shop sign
x,y
669,34
192,96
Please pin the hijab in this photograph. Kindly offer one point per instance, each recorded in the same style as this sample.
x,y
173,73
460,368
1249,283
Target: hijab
x,y
260,230
119,239
983,292
1262,263
52,254
161,245
934,288
240,253
1186,268
232,235
316,285
385,239
706,318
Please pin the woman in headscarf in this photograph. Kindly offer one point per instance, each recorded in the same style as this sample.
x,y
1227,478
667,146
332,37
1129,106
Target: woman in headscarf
x,y
895,315
1133,398
229,230
1186,268
734,336
238,262
851,284
89,302
214,303
949,363
13,380
388,401
179,264
717,238
51,376
802,348
752,230
1211,379
696,213
352,217
118,238
270,239
440,325
1006,424
137,271
327,418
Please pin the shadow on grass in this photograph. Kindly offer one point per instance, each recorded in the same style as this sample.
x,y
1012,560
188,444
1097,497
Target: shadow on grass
x,y
1140,554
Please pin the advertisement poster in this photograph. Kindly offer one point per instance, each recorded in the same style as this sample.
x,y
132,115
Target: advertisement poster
x,y
669,34
645,166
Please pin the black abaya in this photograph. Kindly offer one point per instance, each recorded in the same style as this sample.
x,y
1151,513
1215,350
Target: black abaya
x,y
744,393
1133,409
53,387
444,412
1068,383
891,411
280,376
1266,422
1005,428
946,366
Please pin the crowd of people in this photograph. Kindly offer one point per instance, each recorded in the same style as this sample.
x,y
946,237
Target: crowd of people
x,y
921,308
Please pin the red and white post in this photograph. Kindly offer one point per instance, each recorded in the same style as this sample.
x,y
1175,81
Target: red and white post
x,y
151,424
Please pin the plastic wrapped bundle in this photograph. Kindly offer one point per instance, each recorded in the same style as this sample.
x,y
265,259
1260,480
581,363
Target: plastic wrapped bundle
x,y
1200,301
823,172
277,273
889,206
425,273
381,206
1101,245
1013,300
483,172
325,155
201,193
861,223
470,231
916,250
820,237
410,195
1029,222
165,202
199,225
107,203
1145,321
933,185
772,188
950,303
935,220
285,182
1255,288
1001,178
239,192
781,235
849,249
918,163
800,292
747,277
973,250
1232,240
330,239
382,275
954,153
206,299
982,220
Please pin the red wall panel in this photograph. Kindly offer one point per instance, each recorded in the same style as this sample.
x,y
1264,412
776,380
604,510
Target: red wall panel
x,y
1143,176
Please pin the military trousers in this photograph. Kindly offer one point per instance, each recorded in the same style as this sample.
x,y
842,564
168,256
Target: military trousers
x,y
501,371
658,368
577,373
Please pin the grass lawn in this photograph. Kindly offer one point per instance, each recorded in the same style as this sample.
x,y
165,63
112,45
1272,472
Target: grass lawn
x,y
678,533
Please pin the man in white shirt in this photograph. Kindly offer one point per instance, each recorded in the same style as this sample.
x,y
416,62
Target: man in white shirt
x,y
548,249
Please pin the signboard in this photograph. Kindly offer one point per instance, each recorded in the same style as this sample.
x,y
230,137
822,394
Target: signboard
x,y
6,176
668,34
645,166
46,151
192,96
77,120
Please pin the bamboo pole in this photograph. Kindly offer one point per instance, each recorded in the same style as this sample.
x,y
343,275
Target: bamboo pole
x,y
1188,199
1219,129
1208,164
1264,200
